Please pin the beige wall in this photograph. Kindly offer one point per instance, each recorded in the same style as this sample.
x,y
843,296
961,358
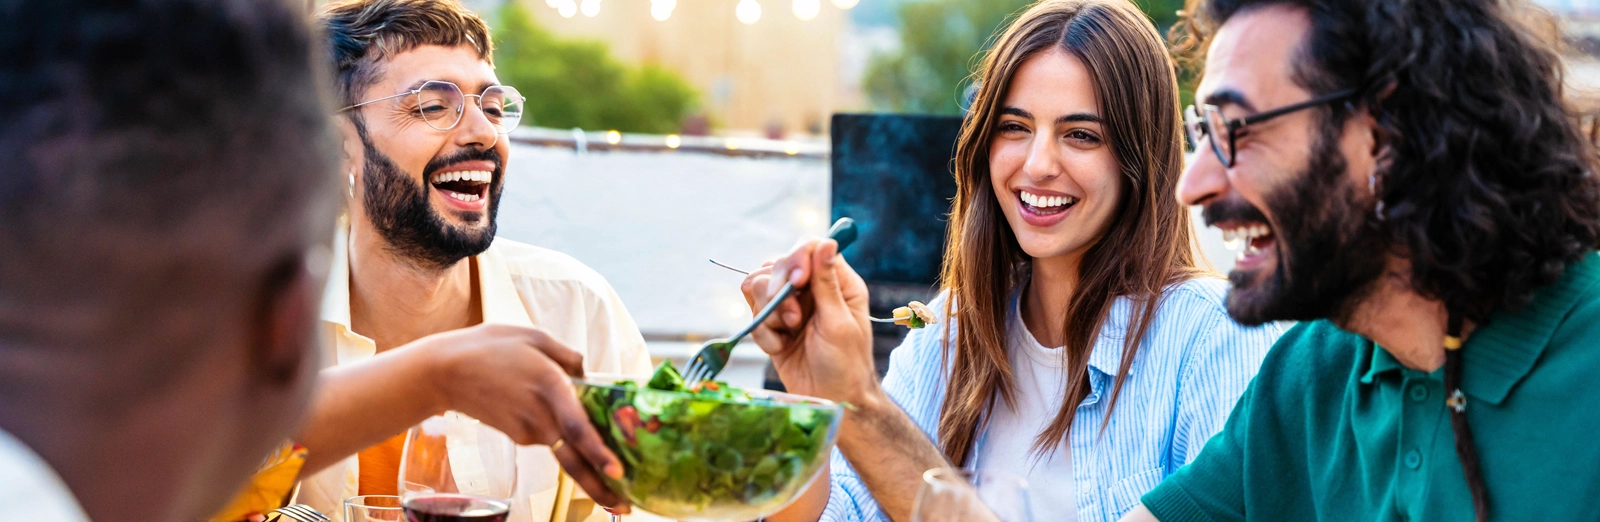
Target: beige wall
x,y
780,68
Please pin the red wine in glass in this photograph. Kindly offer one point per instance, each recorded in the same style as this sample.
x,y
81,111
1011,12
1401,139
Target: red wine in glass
x,y
448,507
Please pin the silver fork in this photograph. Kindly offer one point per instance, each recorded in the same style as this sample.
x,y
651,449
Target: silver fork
x,y
298,513
713,355
747,272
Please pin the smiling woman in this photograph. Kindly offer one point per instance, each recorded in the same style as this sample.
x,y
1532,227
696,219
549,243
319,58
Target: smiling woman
x,y
1051,171
1064,207
1070,287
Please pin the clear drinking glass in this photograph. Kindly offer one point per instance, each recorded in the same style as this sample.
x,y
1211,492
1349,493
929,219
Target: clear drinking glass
x,y
950,495
373,508
456,469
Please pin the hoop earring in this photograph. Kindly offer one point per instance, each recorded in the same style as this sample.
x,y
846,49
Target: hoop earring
x,y
352,175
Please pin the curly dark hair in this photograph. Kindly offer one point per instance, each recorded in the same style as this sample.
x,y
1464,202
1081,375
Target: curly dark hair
x,y
1487,183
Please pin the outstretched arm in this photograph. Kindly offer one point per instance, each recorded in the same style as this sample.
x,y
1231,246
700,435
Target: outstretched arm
x,y
821,344
513,378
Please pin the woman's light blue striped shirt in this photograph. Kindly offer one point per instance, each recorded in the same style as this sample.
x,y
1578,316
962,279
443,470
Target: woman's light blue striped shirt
x,y
1192,366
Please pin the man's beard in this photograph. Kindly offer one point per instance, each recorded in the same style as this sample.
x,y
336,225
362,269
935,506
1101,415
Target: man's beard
x,y
400,209
1330,248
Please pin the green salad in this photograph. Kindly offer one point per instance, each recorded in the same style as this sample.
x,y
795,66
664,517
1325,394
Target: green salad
x,y
702,445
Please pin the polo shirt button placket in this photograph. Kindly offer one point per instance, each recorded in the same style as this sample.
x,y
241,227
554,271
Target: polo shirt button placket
x,y
1413,459
1419,392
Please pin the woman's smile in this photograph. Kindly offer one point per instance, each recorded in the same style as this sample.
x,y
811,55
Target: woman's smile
x,y
1042,208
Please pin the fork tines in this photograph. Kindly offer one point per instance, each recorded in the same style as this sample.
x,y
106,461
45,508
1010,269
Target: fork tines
x,y
701,368
696,367
302,513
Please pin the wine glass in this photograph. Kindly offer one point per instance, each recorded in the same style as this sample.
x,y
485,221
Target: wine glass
x,y
950,495
457,469
373,508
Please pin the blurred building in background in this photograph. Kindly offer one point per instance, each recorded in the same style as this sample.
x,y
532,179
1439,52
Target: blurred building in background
x,y
1578,21
761,67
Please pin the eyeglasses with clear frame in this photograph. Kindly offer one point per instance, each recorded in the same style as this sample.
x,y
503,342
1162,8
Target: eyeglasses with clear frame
x,y
441,104
1216,127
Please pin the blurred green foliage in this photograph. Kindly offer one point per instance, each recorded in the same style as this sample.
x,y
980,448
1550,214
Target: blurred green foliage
x,y
577,83
941,42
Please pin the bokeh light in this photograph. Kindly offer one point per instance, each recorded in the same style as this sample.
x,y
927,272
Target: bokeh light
x,y
748,11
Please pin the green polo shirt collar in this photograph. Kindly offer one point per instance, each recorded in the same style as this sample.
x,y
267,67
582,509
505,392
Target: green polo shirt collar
x,y
1502,351
1380,363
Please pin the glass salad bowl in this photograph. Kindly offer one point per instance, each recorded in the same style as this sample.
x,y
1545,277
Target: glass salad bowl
x,y
708,451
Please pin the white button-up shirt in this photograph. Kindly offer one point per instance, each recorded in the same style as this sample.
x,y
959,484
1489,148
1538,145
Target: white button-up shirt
x,y
29,490
519,285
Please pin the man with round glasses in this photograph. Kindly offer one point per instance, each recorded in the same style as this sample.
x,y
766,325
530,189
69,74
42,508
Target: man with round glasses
x,y
425,309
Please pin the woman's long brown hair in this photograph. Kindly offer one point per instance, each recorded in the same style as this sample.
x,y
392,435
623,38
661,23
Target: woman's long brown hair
x,y
1148,247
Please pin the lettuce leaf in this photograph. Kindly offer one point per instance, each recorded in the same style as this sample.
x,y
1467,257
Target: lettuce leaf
x,y
709,443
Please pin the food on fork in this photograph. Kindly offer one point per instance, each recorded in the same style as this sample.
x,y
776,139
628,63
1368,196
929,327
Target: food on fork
x,y
915,315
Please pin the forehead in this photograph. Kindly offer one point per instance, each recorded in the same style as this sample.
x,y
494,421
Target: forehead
x,y
1053,79
1253,55
459,65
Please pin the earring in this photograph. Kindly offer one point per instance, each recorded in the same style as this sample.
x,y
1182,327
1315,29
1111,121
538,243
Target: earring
x,y
352,183
1372,186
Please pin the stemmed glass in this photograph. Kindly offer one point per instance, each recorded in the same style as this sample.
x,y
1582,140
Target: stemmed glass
x,y
373,508
457,469
949,495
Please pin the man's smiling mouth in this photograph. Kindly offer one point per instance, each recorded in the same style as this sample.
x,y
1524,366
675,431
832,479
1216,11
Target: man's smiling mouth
x,y
1256,240
464,185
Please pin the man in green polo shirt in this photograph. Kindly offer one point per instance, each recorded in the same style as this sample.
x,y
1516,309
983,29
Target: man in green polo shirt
x,y
1404,179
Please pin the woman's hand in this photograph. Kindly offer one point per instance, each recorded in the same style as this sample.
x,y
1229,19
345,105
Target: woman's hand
x,y
819,339
821,343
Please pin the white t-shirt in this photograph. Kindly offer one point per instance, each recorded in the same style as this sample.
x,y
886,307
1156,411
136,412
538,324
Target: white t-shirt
x,y
1007,443
29,490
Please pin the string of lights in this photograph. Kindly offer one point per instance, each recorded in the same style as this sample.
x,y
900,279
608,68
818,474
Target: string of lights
x,y
582,141
747,11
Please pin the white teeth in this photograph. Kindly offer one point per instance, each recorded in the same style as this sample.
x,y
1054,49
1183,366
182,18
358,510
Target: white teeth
x,y
1245,236
481,176
464,197
1046,201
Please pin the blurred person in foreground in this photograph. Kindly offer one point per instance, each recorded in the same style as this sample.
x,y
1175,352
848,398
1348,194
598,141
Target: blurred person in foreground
x,y
1083,350
166,204
1425,204
425,310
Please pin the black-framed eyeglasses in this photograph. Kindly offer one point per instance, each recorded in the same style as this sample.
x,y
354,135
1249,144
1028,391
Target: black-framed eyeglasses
x,y
1215,126
441,104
